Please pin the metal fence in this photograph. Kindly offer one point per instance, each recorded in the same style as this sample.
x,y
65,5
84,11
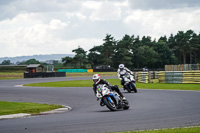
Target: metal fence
x,y
182,67
169,76
142,77
179,77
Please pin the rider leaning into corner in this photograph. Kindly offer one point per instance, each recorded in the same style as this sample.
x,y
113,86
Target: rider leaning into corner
x,y
97,80
121,72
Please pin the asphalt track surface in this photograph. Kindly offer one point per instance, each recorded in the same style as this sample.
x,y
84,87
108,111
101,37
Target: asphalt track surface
x,y
149,109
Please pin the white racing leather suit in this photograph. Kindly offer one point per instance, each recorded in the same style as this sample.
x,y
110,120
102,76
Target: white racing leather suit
x,y
122,73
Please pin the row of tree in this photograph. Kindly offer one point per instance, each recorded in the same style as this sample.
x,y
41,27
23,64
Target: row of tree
x,y
136,52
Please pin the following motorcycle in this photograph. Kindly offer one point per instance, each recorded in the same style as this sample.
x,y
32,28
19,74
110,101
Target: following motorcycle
x,y
111,99
129,84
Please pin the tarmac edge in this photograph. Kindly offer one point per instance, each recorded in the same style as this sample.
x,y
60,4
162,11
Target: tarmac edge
x,y
24,115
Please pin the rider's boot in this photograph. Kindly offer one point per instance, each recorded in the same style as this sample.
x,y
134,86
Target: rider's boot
x,y
122,96
124,99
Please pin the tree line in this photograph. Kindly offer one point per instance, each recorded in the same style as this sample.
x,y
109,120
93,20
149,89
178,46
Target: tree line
x,y
136,52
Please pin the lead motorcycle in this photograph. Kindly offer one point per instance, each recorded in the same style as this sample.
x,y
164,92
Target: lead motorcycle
x,y
129,82
111,99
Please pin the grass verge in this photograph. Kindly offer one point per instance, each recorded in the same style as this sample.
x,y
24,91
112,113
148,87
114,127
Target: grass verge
x,y
88,83
174,130
90,74
20,75
11,75
30,108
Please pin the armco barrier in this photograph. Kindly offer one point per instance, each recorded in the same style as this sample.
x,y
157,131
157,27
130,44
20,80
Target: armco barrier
x,y
72,70
161,77
75,70
191,77
182,67
103,70
143,77
179,77
89,70
173,77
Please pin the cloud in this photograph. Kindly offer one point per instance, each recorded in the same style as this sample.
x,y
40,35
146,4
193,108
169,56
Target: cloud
x,y
27,35
162,4
30,27
158,23
103,11
11,8
57,24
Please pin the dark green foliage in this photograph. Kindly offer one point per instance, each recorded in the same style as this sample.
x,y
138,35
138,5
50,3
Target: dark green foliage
x,y
30,61
6,62
183,48
78,60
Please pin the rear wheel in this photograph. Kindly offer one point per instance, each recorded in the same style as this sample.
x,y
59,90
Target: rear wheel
x,y
110,103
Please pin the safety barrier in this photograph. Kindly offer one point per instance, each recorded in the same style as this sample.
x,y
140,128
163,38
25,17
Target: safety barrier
x,y
75,70
44,74
191,77
89,70
161,77
182,67
173,77
143,77
72,70
179,77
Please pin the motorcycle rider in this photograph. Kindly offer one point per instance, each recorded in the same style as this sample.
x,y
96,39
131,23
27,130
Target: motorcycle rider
x,y
121,72
97,80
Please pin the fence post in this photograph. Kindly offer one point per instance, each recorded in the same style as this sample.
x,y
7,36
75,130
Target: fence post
x,y
149,77
154,74
136,76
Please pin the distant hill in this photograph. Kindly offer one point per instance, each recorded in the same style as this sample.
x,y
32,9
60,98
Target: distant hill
x,y
37,57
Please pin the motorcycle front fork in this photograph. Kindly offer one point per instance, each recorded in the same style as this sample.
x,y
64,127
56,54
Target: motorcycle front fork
x,y
102,103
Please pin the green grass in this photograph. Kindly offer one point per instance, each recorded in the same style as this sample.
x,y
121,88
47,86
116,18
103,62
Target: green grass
x,y
90,74
31,108
88,83
11,75
175,130
20,74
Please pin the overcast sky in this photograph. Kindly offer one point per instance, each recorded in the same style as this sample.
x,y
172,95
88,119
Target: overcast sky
x,y
29,27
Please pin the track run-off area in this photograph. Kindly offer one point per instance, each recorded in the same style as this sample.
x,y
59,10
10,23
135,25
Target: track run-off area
x,y
149,109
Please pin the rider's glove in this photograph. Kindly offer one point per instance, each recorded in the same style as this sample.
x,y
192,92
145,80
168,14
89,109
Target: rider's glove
x,y
120,78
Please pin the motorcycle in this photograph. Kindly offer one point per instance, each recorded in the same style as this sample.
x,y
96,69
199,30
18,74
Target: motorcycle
x,y
129,84
111,99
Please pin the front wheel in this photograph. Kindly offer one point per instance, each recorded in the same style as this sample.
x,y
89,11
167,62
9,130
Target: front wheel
x,y
110,103
128,88
133,87
126,105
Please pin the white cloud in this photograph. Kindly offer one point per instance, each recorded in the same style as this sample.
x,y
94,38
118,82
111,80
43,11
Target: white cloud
x,y
78,15
162,4
156,23
57,24
92,4
30,27
106,11
26,35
